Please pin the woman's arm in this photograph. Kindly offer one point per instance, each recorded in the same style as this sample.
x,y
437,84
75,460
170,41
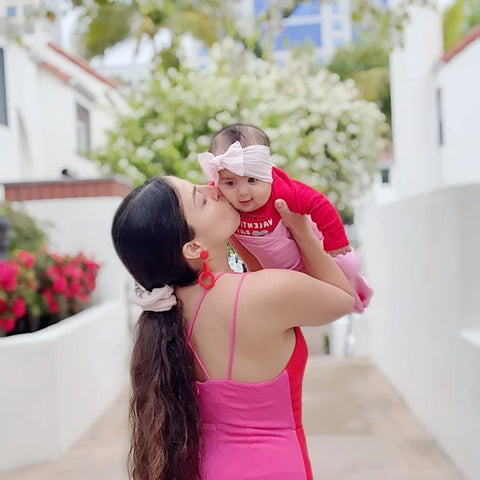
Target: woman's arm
x,y
318,263
286,298
247,258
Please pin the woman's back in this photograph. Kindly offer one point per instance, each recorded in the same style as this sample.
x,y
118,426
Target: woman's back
x,y
252,430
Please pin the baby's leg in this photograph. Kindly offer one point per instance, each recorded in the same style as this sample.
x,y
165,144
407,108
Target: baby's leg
x,y
352,268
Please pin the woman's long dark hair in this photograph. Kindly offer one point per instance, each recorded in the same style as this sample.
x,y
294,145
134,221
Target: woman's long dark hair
x,y
148,233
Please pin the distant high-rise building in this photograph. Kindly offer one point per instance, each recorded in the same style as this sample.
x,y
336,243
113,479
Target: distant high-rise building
x,y
29,16
325,25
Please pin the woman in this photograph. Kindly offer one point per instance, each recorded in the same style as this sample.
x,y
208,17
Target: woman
x,y
218,364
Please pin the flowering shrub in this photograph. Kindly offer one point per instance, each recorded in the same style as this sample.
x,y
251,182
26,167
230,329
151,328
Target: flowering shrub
x,y
321,131
39,290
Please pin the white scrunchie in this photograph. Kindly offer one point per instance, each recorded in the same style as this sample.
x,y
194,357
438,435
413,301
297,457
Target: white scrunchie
x,y
158,300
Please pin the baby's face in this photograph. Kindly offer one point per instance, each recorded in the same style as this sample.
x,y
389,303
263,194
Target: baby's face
x,y
246,194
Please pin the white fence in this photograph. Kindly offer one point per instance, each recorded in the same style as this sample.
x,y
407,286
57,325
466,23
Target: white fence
x,y
422,256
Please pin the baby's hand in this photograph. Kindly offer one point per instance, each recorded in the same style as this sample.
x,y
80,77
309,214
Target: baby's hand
x,y
340,251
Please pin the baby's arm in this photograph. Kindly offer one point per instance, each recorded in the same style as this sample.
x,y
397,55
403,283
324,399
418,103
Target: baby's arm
x,y
325,216
247,258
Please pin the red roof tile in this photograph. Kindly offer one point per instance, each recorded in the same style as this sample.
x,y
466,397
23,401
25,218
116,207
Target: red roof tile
x,y
64,77
83,64
471,36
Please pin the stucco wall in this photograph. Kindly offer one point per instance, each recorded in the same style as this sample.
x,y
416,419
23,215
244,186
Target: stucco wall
x,y
58,381
83,224
422,258
459,82
40,139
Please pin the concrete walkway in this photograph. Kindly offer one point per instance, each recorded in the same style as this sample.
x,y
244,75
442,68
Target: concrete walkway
x,y
357,429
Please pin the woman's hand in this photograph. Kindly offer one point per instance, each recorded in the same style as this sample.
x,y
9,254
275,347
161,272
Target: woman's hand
x,y
299,225
318,263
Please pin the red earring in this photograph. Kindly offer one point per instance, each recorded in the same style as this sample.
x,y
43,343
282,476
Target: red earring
x,y
206,278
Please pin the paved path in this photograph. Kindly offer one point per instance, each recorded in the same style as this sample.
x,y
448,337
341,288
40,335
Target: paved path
x,y
357,429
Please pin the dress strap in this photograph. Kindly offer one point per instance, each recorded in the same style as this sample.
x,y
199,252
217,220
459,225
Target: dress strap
x,y
192,324
234,324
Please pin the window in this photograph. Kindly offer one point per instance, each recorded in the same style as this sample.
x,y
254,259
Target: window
x,y
337,25
83,129
27,11
336,7
3,91
440,117
338,42
261,6
295,35
11,12
385,173
307,7
311,7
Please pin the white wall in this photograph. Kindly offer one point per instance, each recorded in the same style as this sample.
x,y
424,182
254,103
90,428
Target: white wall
x,y
84,224
59,381
62,379
422,257
40,139
459,82
414,117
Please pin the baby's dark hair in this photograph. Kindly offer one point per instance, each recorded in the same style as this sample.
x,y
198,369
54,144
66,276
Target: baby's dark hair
x,y
238,132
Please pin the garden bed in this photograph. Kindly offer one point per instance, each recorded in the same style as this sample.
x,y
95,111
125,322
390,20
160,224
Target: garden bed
x,y
56,382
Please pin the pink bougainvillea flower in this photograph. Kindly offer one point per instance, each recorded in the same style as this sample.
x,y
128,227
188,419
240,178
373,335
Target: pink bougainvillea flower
x,y
48,295
26,258
8,276
19,307
73,271
53,306
7,324
57,258
3,306
53,271
60,284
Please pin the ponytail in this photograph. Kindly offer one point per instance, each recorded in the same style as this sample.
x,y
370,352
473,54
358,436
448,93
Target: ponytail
x,y
164,413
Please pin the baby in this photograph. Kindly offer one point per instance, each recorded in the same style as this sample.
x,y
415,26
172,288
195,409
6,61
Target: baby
x,y
239,164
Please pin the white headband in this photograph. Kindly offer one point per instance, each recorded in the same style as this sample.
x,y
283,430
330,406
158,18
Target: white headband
x,y
158,300
253,161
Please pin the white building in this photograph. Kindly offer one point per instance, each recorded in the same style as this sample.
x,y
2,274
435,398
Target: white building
x,y
326,26
458,103
30,16
421,249
53,108
435,105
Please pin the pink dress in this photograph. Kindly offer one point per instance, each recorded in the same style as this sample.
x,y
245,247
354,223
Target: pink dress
x,y
253,431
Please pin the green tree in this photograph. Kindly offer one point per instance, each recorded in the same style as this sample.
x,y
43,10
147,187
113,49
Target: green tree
x,y
24,232
366,64
458,19
106,23
454,20
321,132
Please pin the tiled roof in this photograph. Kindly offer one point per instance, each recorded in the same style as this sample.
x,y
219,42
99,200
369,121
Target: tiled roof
x,y
82,64
471,36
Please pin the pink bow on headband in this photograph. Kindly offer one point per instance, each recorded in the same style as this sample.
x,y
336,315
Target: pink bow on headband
x,y
253,161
